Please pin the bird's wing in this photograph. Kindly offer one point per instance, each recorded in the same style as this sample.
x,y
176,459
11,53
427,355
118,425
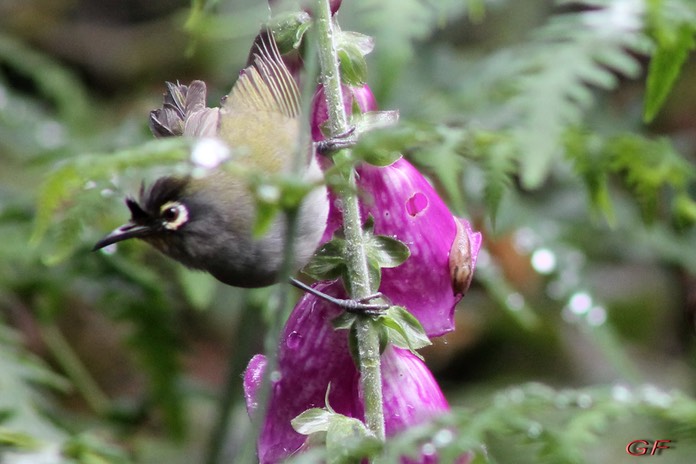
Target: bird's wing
x,y
259,118
265,85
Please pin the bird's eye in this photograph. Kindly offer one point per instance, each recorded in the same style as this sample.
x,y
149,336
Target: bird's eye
x,y
174,215
170,214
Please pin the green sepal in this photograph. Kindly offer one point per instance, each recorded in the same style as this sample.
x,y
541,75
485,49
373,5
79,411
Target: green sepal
x,y
363,43
351,48
404,330
374,151
314,420
347,439
345,321
353,66
386,251
382,145
353,347
289,29
329,262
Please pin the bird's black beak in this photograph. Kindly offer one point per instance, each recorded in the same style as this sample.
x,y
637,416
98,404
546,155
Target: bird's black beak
x,y
124,232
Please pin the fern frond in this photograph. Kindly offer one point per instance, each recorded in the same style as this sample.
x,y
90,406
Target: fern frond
x,y
398,24
647,167
566,57
547,425
75,179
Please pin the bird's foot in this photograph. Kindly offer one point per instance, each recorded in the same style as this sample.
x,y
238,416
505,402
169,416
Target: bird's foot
x,y
345,140
359,306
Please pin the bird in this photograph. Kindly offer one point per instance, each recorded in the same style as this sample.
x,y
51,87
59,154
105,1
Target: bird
x,y
207,222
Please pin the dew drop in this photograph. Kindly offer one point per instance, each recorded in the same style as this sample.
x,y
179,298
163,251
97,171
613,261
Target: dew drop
x,y
294,340
580,302
276,376
416,204
515,301
584,401
443,438
428,449
544,261
109,249
534,430
621,393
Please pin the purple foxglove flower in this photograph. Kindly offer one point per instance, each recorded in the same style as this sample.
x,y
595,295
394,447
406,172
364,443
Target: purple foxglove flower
x,y
312,355
404,205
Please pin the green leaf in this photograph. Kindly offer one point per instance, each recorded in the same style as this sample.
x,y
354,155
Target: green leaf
x,y
665,65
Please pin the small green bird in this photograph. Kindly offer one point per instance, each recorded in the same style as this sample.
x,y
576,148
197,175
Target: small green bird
x,y
206,222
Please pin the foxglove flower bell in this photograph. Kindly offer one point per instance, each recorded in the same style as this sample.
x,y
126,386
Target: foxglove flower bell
x,y
313,355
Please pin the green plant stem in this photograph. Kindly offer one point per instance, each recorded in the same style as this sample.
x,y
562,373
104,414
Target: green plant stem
x,y
356,259
283,306
78,374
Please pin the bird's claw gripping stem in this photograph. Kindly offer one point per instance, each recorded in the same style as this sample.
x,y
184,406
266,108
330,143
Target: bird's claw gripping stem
x,y
345,140
360,306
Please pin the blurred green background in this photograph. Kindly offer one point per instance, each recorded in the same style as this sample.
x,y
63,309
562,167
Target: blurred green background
x,y
587,280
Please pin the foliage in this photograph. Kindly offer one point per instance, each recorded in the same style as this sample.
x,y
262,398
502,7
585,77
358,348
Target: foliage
x,y
515,126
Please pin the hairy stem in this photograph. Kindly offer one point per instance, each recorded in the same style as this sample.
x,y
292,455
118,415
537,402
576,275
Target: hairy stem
x,y
356,259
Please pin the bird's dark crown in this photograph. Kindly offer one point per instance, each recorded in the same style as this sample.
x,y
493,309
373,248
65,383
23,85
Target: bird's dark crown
x,y
165,189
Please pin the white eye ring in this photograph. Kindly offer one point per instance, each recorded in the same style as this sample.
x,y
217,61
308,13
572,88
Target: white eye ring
x,y
174,215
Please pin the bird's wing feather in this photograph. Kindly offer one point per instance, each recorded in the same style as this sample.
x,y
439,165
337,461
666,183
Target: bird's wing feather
x,y
265,85
259,118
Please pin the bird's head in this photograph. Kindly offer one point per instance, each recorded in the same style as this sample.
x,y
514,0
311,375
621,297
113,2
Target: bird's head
x,y
159,216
